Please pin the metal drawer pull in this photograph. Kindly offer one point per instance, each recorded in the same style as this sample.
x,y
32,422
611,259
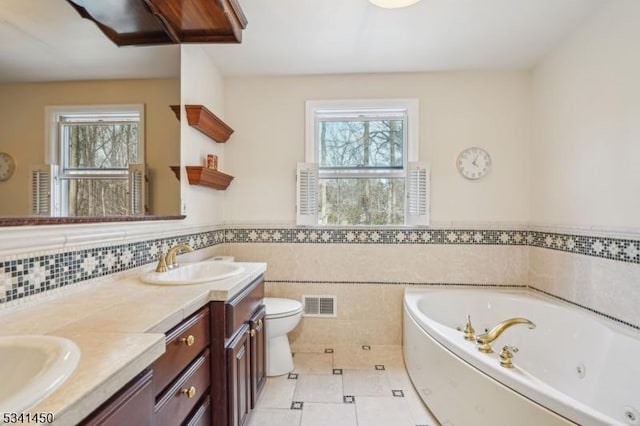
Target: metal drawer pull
x,y
253,332
189,340
190,393
259,324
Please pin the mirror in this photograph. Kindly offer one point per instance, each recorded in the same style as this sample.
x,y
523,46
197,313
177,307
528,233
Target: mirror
x,y
51,59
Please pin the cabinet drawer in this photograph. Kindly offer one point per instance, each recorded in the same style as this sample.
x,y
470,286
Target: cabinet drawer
x,y
202,415
184,343
176,403
240,308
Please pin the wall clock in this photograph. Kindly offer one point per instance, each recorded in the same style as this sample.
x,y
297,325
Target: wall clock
x,y
7,166
474,163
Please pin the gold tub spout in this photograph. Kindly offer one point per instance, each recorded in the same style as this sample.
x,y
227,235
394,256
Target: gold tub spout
x,y
485,339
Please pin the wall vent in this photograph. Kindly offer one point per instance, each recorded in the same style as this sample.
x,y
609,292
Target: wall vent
x,y
319,306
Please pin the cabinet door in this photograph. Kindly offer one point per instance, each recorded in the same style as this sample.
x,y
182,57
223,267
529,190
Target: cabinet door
x,y
239,369
258,356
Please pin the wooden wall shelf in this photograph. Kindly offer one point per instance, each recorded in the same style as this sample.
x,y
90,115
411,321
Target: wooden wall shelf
x,y
200,118
176,110
176,171
203,176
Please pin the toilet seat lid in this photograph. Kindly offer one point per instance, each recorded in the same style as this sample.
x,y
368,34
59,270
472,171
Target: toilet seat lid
x,y
277,307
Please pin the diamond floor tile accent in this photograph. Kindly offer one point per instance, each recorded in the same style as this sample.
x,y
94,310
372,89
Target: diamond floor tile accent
x,y
349,399
297,405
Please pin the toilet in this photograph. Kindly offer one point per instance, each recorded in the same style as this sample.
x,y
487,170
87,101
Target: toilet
x,y
282,316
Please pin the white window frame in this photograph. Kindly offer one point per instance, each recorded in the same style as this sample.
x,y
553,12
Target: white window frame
x,y
54,140
408,107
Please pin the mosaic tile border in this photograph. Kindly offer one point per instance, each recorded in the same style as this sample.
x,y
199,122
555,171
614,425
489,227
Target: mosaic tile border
x,y
375,236
624,250
30,275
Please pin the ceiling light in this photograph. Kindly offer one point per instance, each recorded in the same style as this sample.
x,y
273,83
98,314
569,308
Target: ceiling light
x,y
393,4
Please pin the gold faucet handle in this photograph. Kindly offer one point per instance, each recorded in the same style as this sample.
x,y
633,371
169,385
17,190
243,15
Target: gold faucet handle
x,y
506,355
162,263
469,332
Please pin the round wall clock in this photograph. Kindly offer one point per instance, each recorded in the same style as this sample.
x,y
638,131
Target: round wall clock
x,y
7,166
474,163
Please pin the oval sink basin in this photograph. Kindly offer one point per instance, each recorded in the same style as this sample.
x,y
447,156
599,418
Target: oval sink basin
x,y
193,273
31,367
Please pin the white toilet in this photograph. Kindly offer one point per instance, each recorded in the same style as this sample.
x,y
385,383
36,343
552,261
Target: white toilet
x,y
283,315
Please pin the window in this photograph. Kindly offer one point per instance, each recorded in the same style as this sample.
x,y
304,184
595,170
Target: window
x,y
360,156
97,157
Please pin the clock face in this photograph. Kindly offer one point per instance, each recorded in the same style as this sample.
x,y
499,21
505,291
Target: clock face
x,y
474,163
7,166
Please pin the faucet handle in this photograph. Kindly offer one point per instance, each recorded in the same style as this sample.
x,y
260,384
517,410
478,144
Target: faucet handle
x,y
162,263
469,331
506,355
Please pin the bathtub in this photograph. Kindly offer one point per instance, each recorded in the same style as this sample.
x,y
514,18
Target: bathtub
x,y
574,367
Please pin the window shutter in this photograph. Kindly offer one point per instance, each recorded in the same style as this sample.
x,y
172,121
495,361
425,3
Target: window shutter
x,y
43,190
137,189
307,194
418,193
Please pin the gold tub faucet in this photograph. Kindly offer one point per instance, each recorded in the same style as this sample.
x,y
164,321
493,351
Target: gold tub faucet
x,y
485,339
169,261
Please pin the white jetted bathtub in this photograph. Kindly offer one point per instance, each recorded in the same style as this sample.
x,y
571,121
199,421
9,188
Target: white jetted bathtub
x,y
572,368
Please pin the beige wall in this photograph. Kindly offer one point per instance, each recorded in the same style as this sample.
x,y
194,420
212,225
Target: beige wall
x,y
585,157
585,152
201,84
457,110
22,132
372,313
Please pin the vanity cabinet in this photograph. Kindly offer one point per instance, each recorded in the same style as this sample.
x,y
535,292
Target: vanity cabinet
x,y
211,373
238,372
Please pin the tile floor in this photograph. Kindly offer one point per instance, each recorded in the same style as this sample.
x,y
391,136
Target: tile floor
x,y
342,386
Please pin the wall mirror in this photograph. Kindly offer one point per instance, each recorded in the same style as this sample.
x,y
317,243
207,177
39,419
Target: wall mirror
x,y
87,125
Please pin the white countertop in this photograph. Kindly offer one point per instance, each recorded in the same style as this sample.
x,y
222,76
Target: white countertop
x,y
118,326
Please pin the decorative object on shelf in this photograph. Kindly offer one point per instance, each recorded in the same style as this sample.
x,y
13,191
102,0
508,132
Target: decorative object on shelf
x,y
7,166
393,4
474,163
204,176
200,118
212,162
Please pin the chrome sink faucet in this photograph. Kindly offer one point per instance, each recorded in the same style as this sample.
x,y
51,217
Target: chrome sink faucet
x,y
169,261
485,339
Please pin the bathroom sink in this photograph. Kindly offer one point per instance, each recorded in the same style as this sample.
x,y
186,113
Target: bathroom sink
x,y
193,273
31,367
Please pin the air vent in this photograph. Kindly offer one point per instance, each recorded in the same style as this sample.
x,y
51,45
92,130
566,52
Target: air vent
x,y
319,306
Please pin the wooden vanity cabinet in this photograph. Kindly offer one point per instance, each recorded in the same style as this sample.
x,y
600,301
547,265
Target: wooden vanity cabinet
x,y
211,373
238,368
